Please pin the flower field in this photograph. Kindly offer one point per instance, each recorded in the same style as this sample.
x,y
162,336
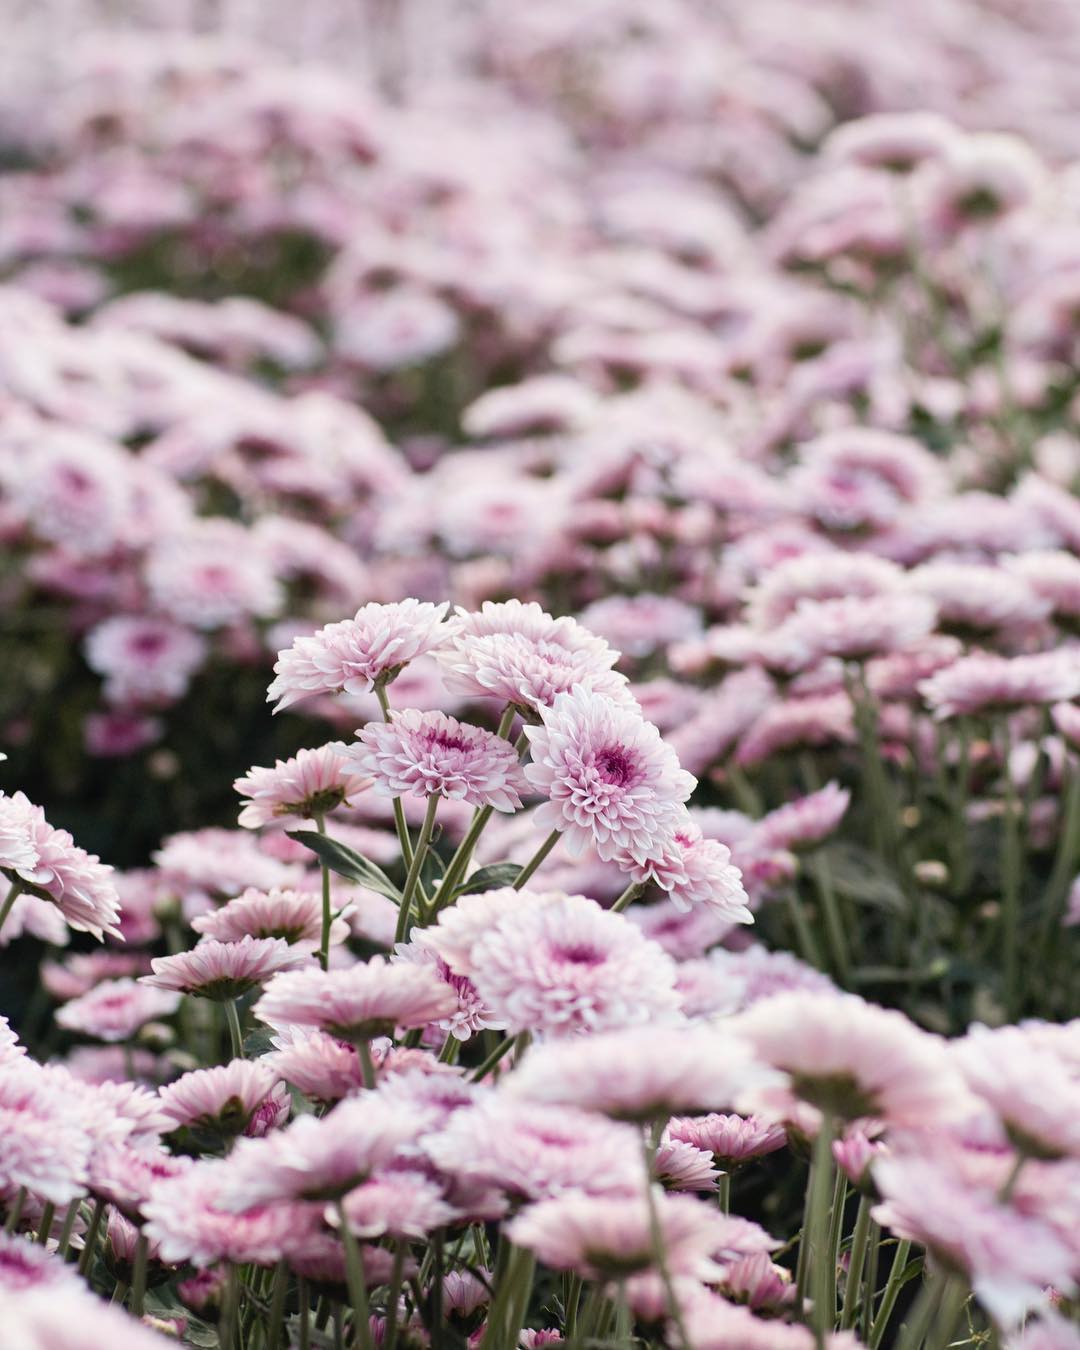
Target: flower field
x,y
541,648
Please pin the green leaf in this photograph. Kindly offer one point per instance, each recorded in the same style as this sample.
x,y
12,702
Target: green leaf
x,y
489,878
346,862
864,878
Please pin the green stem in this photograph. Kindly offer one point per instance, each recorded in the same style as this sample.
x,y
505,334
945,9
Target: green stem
x,y
820,1274
390,1338
16,1211
804,937
455,870
138,1275
872,1261
628,897
1011,863
915,1327
230,1310
303,1295
1005,1194
400,824
64,1244
276,1322
327,916
723,1192
48,1213
503,1048
950,1304
16,889
419,854
536,859
856,1261
354,1275
1065,865
367,1066
892,1292
656,1233
834,925
232,1020
90,1240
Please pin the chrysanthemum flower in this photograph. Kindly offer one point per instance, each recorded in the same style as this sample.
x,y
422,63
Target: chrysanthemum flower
x,y
358,653
225,970
221,862
531,1151
643,1073
318,1157
295,916
145,660
25,1265
472,1014
395,1204
310,784
1034,1090
756,973
608,778
79,973
850,1059
731,1139
694,871
125,1174
461,927
45,1148
116,1009
227,1099
609,1237
683,934
187,1220
813,720
682,1167
359,1002
318,1065
519,654
570,966
1055,577
422,754
78,883
806,820
984,683
852,628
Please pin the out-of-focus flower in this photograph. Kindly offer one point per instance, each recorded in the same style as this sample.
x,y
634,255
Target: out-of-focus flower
x,y
115,1009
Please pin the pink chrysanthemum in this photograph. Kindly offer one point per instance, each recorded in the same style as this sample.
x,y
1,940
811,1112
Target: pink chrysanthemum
x,y
145,660
682,1167
225,970
1055,578
295,916
853,628
45,1147
25,1265
17,850
755,973
309,785
732,1140
79,973
423,754
318,1065
358,653
609,1237
519,654
850,1059
76,882
228,1098
472,1014
806,820
458,930
396,1204
682,933
319,1157
125,1174
532,1151
608,778
359,1002
643,1073
1010,1068
116,1009
569,966
185,1217
816,719
221,862
212,573
977,601
984,683
695,871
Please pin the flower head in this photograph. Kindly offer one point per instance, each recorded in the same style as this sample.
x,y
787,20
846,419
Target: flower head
x,y
115,1009
359,653
295,916
226,1100
309,785
427,753
225,970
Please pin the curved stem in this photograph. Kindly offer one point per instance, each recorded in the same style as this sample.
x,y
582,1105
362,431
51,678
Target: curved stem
x,y
459,862
856,1262
232,1019
504,1047
628,897
536,859
399,811
90,1240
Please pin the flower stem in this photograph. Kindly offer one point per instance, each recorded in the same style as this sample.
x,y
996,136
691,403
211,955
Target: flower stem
x,y
419,854
399,811
64,1242
723,1192
804,937
834,924
48,1213
1011,862
232,1019
628,897
276,1323
354,1274
1005,1194
455,869
324,945
656,1233
819,1272
856,1261
303,1296
138,1275
394,1297
503,1048
90,1240
536,859
889,1297
14,891
367,1067
15,1213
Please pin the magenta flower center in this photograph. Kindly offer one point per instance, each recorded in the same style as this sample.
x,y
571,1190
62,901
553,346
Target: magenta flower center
x,y
615,766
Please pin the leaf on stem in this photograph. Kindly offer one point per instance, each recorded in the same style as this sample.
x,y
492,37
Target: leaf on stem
x,y
346,862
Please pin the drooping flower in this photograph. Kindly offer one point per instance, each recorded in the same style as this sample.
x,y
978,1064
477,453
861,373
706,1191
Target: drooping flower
x,y
608,778
357,654
115,1009
422,754
358,1002
225,970
309,785
567,966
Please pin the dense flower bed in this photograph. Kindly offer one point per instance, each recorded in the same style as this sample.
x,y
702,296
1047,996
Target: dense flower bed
x,y
552,568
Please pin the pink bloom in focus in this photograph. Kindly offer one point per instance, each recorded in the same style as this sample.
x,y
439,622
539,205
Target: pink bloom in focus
x,y
359,1002
226,1098
682,1167
294,916
472,1014
225,970
731,1140
461,927
359,653
318,1065
608,778
115,1009
423,754
695,871
569,966
309,785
